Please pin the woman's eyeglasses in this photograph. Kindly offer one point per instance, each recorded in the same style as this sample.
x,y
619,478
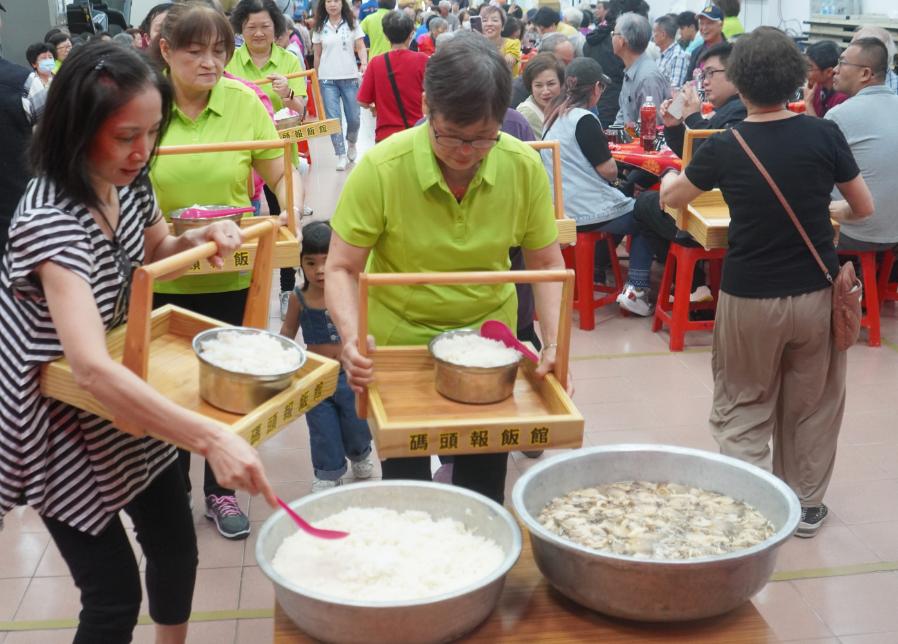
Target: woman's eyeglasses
x,y
455,142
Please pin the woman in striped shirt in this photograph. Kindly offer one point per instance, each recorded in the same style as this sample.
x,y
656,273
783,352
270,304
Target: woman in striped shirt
x,y
86,220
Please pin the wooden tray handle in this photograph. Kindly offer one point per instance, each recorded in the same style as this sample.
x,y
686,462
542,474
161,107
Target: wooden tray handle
x,y
312,75
563,339
555,146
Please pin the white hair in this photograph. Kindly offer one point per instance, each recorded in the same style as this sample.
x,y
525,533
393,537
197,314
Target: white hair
x,y
573,17
872,31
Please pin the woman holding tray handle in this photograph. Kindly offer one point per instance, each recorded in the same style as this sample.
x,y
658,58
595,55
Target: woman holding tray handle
x,y
476,195
87,220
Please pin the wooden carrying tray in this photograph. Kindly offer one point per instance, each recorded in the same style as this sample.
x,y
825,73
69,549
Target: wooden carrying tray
x,y
321,126
409,418
567,228
157,346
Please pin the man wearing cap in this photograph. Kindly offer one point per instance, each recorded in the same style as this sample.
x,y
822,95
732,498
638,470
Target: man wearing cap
x,y
642,78
18,114
710,26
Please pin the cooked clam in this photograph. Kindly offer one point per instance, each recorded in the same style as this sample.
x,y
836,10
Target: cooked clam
x,y
655,520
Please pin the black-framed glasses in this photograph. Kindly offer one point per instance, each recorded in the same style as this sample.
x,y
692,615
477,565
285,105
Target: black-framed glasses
x,y
708,72
455,142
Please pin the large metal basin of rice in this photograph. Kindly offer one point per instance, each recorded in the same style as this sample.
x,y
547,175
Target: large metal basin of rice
x,y
654,590
440,618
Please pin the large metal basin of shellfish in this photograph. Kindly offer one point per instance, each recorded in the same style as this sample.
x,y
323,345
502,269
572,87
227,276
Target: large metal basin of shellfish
x,y
650,589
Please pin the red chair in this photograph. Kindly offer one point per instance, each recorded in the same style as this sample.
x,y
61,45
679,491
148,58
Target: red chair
x,y
886,290
582,259
675,315
870,301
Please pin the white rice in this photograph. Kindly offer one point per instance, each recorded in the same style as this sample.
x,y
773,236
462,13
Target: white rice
x,y
388,556
258,354
472,350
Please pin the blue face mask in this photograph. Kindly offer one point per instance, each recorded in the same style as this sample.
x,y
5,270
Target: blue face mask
x,y
46,65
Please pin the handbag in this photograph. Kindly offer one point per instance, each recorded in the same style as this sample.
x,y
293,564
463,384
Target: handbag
x,y
392,78
847,288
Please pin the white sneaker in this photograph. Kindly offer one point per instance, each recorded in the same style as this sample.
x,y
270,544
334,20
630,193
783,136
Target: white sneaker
x,y
362,469
635,300
342,162
701,294
319,485
307,212
352,152
285,302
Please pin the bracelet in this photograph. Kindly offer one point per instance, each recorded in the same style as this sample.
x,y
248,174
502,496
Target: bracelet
x,y
551,345
291,95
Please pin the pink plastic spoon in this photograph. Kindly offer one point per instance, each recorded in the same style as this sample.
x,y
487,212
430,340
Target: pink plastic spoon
x,y
308,528
202,213
496,330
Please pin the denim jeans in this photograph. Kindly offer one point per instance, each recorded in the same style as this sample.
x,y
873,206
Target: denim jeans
x,y
337,433
640,250
337,93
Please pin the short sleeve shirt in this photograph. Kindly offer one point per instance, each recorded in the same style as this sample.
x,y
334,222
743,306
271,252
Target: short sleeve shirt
x,y
234,113
337,60
805,156
373,27
281,62
397,203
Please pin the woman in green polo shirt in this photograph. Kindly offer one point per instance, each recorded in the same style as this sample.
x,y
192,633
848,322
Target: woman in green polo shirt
x,y
449,195
194,44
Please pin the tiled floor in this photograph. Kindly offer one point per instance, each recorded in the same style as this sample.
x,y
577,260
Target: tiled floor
x,y
839,587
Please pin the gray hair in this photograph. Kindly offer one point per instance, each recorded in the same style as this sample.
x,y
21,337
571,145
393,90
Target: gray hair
x,y
445,4
573,17
443,38
550,43
668,26
123,39
872,31
436,23
635,30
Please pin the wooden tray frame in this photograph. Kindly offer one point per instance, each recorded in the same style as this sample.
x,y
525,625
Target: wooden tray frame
x,y
468,429
567,227
156,345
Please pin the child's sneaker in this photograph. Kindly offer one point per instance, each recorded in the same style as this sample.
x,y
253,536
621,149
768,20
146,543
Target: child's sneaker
x,y
811,520
319,485
362,469
635,300
342,162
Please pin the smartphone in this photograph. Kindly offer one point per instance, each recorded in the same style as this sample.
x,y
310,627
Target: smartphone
x,y
477,23
675,109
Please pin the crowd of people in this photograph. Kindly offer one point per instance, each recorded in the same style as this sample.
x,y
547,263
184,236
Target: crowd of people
x,y
455,89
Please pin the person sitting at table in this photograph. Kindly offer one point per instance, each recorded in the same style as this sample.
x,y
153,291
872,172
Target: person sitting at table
x,y
588,170
819,95
427,43
477,194
642,78
778,376
673,62
710,27
655,224
544,77
556,44
860,74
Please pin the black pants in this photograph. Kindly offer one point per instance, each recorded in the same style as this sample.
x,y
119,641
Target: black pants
x,y
105,571
227,307
483,473
660,229
288,275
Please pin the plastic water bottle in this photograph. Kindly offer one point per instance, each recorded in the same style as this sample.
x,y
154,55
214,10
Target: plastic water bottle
x,y
648,124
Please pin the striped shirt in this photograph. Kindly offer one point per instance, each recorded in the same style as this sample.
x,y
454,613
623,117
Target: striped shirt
x,y
66,463
674,63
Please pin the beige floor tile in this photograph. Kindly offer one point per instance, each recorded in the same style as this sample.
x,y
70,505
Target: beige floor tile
x,y
293,436
22,519
249,552
853,605
881,538
871,638
217,589
864,463
860,427
833,546
21,552
49,598
40,637
787,614
12,591
215,551
862,501
288,465
222,632
254,631
256,590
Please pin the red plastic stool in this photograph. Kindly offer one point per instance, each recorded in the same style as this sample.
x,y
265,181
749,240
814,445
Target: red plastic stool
x,y
675,315
870,301
886,290
582,259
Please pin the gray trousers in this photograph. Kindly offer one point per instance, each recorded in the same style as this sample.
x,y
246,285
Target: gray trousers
x,y
778,375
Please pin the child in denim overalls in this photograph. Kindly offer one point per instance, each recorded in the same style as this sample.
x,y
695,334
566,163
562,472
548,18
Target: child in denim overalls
x,y
335,431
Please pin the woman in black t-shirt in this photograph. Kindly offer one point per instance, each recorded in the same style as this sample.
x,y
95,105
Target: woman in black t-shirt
x,y
777,373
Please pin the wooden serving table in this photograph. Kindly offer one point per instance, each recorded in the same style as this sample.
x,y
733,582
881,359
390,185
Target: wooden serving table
x,y
530,610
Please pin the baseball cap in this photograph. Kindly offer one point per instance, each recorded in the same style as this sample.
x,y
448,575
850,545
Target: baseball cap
x,y
712,12
585,71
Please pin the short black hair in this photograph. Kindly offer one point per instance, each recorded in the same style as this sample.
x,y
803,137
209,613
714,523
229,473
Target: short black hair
x,y
875,54
57,39
766,67
245,8
97,80
316,238
386,4
539,64
824,54
36,50
52,32
512,26
186,24
162,7
486,92
397,27
687,19
730,8
546,17
721,50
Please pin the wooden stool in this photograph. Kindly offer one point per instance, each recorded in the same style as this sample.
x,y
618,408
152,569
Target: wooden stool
x,y
582,259
870,301
676,315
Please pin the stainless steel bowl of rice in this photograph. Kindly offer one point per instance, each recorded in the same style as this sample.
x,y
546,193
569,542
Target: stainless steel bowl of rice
x,y
472,369
387,583
242,367
653,589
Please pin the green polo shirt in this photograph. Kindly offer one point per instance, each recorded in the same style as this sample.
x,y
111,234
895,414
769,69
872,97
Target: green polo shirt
x,y
281,62
397,203
234,113
373,26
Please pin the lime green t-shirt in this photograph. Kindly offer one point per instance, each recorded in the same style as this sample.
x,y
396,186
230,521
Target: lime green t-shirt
x,y
373,26
234,113
281,62
397,203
